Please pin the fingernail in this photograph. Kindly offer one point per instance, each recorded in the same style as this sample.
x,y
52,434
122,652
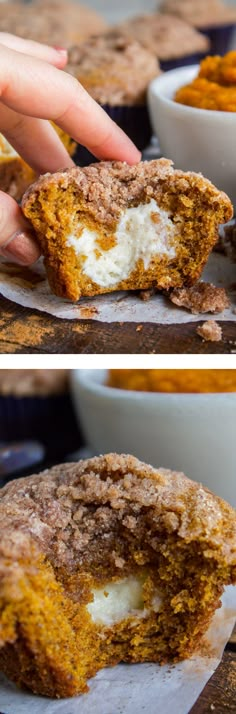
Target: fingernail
x,y
61,50
21,249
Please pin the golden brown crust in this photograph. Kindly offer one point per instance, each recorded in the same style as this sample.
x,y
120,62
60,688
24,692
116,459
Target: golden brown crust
x,y
98,195
81,525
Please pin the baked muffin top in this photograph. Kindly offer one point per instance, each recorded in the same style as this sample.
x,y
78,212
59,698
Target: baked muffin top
x,y
110,186
114,69
73,511
33,382
168,37
200,13
48,23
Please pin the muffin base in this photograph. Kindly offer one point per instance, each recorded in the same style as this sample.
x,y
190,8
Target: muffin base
x,y
220,37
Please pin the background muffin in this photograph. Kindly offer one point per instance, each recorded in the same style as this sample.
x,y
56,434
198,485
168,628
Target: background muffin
x,y
213,17
116,71
171,39
15,174
58,22
36,404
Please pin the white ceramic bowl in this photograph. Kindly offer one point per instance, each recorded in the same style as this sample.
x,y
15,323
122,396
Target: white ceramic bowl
x,y
194,433
195,139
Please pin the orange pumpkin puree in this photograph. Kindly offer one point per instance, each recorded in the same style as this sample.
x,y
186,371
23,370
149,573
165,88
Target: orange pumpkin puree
x,y
173,380
215,86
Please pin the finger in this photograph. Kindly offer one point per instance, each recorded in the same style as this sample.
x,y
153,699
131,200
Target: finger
x,y
54,55
16,239
35,140
35,88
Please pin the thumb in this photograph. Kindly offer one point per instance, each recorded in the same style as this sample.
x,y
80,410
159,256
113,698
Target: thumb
x,y
17,242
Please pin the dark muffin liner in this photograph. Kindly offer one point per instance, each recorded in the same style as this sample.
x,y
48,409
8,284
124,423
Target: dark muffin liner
x,y
135,123
220,38
49,420
196,58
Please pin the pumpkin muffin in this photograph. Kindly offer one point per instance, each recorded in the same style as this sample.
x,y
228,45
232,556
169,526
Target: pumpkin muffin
x,y
35,404
212,17
116,72
15,174
172,40
111,226
103,561
55,23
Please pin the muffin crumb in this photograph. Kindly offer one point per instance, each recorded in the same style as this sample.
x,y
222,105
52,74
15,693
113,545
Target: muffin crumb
x,y
202,297
210,331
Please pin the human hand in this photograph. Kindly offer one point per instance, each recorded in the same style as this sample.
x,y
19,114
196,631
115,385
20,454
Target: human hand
x,y
33,92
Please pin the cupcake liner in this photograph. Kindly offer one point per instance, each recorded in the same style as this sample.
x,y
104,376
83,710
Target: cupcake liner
x,y
135,123
49,420
196,58
220,38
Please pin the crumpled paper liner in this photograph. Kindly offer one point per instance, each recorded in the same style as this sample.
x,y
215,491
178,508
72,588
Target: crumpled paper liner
x,y
29,287
141,688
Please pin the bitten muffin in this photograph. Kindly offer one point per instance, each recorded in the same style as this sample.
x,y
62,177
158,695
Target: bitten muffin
x,y
111,226
116,72
103,561
55,23
169,38
15,174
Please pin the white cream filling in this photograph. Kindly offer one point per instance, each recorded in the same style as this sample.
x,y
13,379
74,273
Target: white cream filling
x,y
6,150
119,600
142,233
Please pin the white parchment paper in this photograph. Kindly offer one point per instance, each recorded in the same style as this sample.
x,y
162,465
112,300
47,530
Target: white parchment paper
x,y
138,689
29,287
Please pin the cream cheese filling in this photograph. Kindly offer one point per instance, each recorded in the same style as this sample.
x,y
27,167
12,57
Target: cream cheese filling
x,y
143,232
117,601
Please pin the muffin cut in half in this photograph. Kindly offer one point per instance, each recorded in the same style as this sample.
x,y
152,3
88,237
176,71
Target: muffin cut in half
x,y
111,226
103,561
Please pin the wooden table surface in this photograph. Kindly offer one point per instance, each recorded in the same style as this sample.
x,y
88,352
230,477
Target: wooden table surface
x,y
219,695
23,331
